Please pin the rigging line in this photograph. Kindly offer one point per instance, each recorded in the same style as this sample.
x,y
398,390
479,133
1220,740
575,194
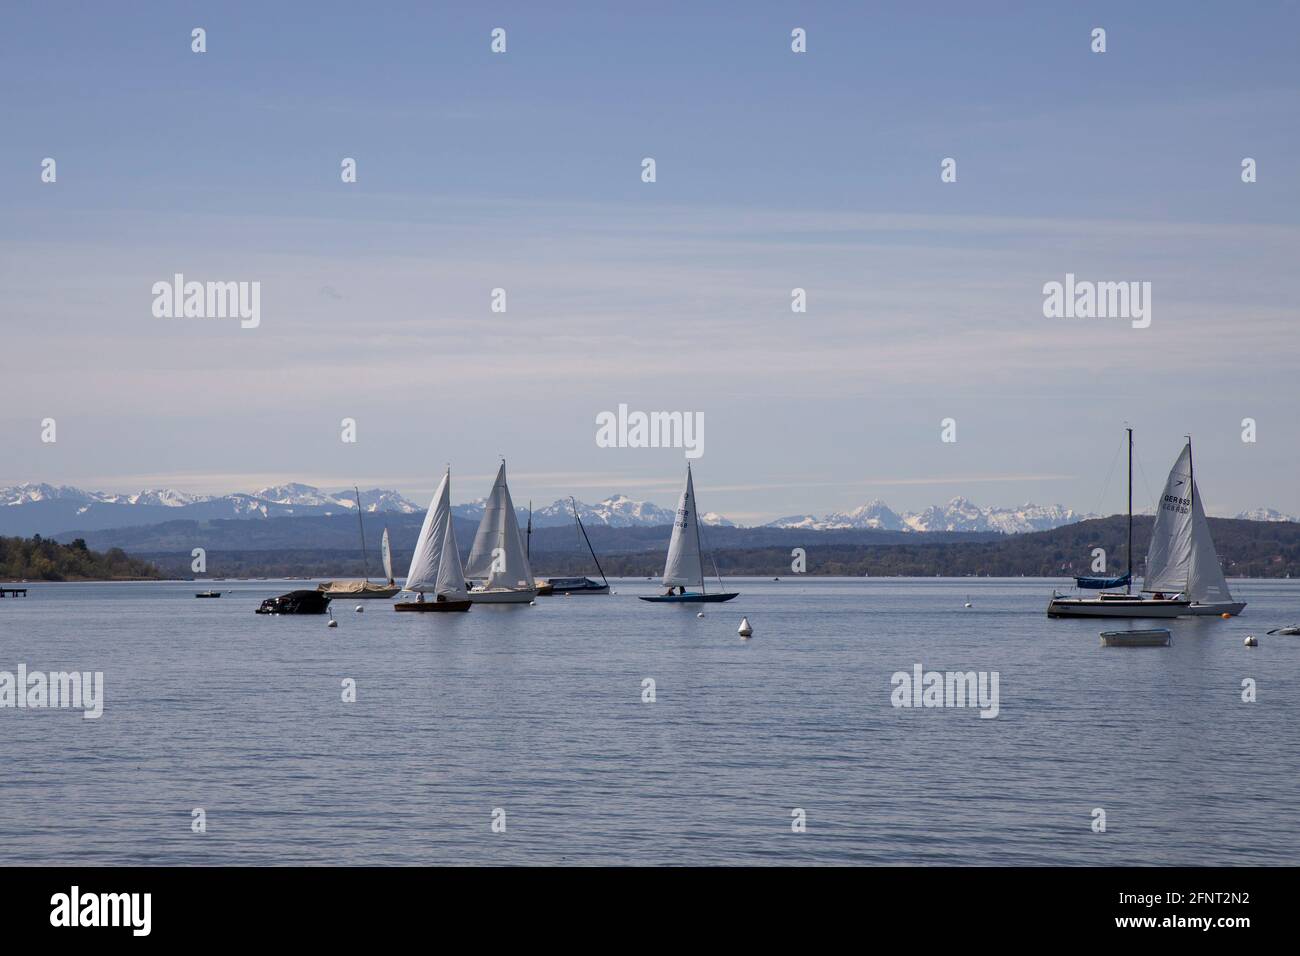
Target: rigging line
x,y
1146,484
1109,474
698,534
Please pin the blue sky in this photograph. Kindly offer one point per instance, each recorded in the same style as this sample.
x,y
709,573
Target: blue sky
x,y
775,170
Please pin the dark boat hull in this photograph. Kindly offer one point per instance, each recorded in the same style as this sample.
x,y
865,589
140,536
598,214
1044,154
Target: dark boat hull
x,y
432,606
570,586
296,602
692,598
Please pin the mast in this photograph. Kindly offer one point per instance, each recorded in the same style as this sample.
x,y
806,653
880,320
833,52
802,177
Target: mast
x,y
1191,505
362,526
1128,554
588,540
699,549
528,542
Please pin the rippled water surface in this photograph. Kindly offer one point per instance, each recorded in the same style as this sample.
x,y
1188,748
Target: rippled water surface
x,y
538,711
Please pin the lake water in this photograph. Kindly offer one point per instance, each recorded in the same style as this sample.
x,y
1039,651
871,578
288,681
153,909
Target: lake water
x,y
538,711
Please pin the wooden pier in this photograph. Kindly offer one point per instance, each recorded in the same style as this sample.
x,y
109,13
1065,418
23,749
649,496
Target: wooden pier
x,y
14,592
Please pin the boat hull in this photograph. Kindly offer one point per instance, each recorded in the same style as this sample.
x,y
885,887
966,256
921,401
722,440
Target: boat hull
x,y
503,596
571,586
1153,637
716,598
431,606
1216,609
1095,607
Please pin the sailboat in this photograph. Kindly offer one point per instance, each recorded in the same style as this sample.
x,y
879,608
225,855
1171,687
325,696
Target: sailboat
x,y
435,565
364,589
1182,559
582,585
499,558
685,565
386,554
1182,570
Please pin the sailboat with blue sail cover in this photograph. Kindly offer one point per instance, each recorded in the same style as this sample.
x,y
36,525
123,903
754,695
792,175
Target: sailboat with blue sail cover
x,y
1183,574
685,565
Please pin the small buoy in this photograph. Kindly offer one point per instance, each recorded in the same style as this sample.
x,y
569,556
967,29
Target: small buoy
x,y
968,604
776,579
744,630
701,614
360,609
332,623
1252,640
1225,615
532,604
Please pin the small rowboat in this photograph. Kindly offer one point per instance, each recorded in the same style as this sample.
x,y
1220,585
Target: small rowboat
x,y
1150,637
208,594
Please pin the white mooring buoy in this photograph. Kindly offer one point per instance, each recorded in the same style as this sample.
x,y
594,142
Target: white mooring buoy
x,y
701,614
360,609
1252,640
744,630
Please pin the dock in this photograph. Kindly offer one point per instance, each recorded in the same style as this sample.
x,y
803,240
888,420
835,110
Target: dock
x,y
13,592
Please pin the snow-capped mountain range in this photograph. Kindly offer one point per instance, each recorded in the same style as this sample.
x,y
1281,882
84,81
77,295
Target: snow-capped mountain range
x,y
959,514
275,500
48,509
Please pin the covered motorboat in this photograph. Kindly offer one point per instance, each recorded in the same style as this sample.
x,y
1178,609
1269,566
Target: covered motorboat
x,y
296,602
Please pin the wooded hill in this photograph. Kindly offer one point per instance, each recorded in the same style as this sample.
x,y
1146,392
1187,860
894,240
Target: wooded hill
x,y
1247,549
39,559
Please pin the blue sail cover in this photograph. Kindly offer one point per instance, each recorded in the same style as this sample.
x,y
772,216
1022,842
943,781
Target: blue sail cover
x,y
1098,584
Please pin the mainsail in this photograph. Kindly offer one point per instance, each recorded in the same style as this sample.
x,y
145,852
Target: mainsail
x,y
684,565
423,575
1181,558
499,557
387,554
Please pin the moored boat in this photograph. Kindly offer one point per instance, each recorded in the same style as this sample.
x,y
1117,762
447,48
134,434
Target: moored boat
x,y
578,585
296,602
1183,577
1147,637
365,589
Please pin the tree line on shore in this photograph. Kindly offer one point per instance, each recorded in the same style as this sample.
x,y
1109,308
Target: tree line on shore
x,y
40,559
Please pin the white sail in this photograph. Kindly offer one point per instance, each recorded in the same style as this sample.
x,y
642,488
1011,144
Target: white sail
x,y
423,575
1169,556
1205,581
1182,557
498,556
684,565
451,577
386,553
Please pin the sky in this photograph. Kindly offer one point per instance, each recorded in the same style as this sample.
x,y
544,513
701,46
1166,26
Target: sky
x,y
775,170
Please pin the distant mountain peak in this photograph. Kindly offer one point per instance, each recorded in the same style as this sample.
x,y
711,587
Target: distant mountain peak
x,y
959,514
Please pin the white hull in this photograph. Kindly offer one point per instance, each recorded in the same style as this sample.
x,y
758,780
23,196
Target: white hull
x,y
503,596
1154,637
1095,607
1216,609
